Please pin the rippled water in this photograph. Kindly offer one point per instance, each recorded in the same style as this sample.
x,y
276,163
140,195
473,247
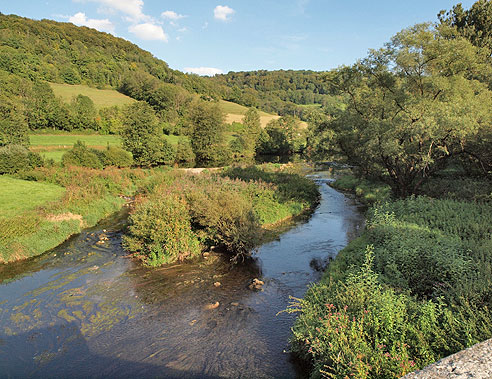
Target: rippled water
x,y
84,309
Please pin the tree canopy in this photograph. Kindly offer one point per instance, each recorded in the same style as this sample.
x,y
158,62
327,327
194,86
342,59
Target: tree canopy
x,y
412,105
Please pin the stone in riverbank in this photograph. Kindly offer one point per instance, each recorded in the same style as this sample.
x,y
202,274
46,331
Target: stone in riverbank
x,y
474,362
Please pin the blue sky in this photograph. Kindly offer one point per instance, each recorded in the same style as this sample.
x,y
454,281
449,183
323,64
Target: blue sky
x,y
207,36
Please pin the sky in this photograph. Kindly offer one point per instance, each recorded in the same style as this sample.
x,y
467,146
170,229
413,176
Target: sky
x,y
208,37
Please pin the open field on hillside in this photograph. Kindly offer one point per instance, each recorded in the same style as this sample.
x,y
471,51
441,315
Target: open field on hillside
x,y
235,113
18,196
101,97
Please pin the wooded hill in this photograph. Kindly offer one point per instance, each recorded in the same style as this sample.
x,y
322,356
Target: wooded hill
x,y
64,53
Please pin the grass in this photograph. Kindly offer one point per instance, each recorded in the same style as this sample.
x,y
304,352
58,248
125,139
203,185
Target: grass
x,y
101,97
67,140
39,214
19,196
53,146
235,113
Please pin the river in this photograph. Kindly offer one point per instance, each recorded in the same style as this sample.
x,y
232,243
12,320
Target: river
x,y
84,309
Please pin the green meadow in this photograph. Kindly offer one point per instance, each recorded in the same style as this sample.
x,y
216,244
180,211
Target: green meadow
x,y
18,196
101,97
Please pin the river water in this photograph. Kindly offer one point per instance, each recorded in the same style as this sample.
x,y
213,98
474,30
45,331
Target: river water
x,y
86,310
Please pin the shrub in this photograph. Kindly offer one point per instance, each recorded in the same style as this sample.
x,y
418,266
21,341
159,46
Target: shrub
x,y
116,156
160,231
358,328
184,154
80,155
14,158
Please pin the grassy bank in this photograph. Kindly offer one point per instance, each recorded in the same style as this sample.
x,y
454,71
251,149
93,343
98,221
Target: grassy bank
x,y
178,215
415,287
69,200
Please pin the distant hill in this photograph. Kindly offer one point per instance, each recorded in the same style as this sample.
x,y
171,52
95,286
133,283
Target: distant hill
x,y
61,52
286,92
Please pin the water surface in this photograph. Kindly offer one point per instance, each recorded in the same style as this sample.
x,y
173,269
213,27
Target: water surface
x,y
85,309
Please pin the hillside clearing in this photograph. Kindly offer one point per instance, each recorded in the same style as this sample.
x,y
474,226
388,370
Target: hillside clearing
x,y
102,98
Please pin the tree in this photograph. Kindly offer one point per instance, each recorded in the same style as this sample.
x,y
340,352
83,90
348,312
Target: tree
x,y
142,136
475,24
13,124
207,139
412,105
83,113
248,138
281,137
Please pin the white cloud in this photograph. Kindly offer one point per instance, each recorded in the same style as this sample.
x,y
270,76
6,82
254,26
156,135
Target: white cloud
x,y
204,71
222,12
80,19
171,15
132,8
148,32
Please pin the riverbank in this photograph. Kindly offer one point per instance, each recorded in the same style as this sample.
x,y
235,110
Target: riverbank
x,y
82,197
74,198
413,288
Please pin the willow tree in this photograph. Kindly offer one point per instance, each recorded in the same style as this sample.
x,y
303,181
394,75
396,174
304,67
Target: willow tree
x,y
411,106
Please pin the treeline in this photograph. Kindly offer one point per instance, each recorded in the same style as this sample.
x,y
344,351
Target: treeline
x,y
282,92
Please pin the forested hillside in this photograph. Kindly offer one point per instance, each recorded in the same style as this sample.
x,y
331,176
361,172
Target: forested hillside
x,y
295,93
65,53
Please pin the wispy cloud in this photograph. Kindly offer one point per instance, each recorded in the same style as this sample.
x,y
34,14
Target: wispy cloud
x,y
133,9
223,12
204,71
149,32
171,15
80,19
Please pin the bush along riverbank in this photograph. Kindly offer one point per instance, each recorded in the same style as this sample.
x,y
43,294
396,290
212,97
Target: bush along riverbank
x,y
179,215
83,197
416,286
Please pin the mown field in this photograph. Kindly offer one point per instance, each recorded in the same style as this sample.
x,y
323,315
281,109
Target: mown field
x,y
235,113
101,97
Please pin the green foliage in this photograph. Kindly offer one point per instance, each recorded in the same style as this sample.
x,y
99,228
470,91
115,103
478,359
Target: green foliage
x,y
115,156
412,105
142,136
14,158
207,138
88,196
64,53
475,24
223,211
281,92
83,113
13,125
367,191
281,137
80,155
185,156
420,292
357,327
160,231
